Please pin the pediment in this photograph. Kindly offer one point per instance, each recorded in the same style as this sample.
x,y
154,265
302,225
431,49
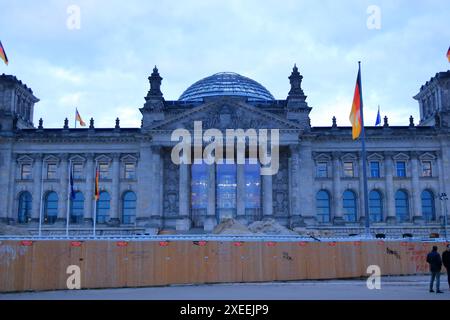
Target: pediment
x,y
226,114
322,157
427,156
401,156
375,156
25,158
103,158
349,156
51,158
77,158
129,158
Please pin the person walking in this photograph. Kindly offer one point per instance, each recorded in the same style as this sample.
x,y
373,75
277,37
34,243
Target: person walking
x,y
446,262
435,262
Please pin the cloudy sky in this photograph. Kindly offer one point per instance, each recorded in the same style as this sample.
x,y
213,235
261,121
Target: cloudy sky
x,y
102,67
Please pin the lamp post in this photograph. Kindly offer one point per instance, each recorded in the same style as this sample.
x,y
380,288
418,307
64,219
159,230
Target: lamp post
x,y
443,197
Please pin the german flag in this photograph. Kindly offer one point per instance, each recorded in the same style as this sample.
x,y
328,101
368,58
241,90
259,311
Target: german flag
x,y
355,114
78,118
97,189
3,54
448,54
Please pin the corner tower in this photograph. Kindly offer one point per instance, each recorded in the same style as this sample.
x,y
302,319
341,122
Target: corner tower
x,y
16,104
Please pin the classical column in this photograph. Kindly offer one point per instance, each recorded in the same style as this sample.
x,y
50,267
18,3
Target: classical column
x,y
267,195
337,191
442,186
240,193
146,187
11,213
211,220
89,200
115,191
157,185
37,204
5,182
63,187
361,206
296,191
417,204
390,196
183,222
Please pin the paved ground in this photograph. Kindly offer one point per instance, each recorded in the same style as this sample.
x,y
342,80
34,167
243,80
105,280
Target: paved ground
x,y
405,288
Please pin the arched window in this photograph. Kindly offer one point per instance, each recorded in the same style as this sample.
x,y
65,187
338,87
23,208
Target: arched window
x,y
401,206
25,200
375,206
51,207
428,210
323,206
129,207
103,206
77,208
349,204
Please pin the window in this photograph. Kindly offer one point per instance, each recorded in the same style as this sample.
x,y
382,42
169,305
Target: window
x,y
51,207
252,175
129,207
428,210
77,208
374,169
104,170
103,206
375,206
25,201
349,204
401,168
348,169
322,170
426,169
401,206
51,170
323,206
130,171
77,171
25,171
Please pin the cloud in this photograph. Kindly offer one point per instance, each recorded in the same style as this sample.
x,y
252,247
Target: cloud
x,y
103,67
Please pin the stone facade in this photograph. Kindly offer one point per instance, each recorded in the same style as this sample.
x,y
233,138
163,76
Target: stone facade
x,y
318,185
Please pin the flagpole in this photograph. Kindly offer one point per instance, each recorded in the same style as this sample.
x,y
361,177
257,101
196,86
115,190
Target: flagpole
x,y
364,160
76,111
95,199
40,202
68,200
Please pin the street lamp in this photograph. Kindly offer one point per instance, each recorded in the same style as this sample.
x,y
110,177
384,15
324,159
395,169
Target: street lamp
x,y
443,197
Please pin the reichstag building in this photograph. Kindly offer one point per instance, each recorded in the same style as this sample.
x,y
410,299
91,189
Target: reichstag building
x,y
318,184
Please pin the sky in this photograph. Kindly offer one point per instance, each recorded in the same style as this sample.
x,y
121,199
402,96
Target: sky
x,y
101,64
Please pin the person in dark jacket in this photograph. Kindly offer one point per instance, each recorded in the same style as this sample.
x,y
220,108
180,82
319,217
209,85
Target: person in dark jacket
x,y
446,262
435,262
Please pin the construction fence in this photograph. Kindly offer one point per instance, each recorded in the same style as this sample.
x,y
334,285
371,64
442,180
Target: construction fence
x,y
43,265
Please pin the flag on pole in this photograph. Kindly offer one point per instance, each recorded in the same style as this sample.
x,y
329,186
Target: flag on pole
x,y
3,54
448,54
355,114
378,121
72,191
78,118
97,177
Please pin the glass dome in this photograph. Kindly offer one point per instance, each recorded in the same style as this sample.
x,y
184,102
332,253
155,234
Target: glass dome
x,y
226,84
